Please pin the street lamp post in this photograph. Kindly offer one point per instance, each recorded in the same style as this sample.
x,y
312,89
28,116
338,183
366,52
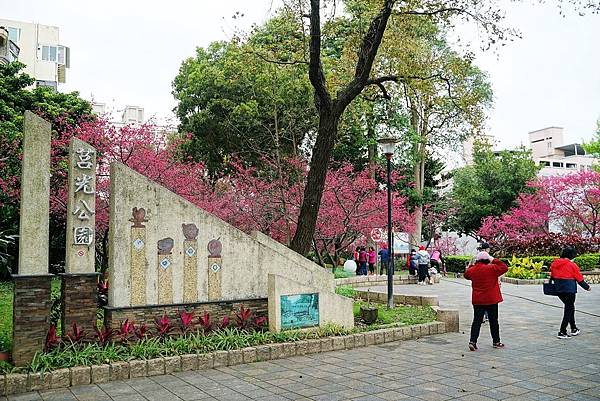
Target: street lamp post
x,y
388,145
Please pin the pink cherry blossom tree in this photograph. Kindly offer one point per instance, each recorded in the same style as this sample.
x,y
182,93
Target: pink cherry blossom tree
x,y
566,208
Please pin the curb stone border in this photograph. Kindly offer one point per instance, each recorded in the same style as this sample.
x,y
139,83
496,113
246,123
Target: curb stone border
x,y
17,383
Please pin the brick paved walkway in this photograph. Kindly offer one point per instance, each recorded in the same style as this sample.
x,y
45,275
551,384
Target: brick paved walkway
x,y
534,366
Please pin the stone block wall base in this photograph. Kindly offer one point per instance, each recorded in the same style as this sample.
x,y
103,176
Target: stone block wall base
x,y
450,317
79,294
113,317
31,311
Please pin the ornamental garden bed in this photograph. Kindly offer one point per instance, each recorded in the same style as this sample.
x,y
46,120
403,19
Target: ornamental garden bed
x,y
195,342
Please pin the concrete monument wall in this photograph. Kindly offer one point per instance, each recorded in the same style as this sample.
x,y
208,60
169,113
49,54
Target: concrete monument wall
x,y
163,250
332,308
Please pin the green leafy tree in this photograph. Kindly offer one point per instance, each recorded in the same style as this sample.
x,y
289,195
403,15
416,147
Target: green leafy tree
x,y
593,147
490,186
235,102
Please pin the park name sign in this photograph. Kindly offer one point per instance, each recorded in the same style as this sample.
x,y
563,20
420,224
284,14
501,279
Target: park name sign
x,y
81,205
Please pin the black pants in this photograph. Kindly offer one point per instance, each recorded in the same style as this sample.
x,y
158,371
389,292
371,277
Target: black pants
x,y
423,272
478,312
569,313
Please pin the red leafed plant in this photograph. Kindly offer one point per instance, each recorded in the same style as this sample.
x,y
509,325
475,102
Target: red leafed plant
x,y
52,340
104,336
76,334
163,326
224,323
187,320
205,322
141,331
260,322
242,317
126,330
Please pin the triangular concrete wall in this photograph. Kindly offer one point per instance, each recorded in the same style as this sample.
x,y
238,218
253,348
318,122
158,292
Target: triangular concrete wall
x,y
246,260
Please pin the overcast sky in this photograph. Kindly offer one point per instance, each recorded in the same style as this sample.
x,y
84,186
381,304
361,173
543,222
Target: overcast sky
x,y
129,51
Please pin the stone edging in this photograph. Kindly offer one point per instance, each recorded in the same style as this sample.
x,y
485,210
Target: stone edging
x,y
381,297
367,281
522,281
591,277
16,383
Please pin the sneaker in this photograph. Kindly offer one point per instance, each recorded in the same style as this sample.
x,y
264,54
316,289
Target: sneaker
x,y
563,336
575,332
498,345
472,346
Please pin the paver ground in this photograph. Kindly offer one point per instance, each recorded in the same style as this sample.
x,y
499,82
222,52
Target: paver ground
x,y
535,365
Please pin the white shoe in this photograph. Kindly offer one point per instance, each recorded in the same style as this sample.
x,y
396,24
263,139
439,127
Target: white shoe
x,y
575,332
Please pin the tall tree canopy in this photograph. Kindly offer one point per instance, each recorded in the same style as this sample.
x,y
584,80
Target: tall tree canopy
x,y
490,186
234,102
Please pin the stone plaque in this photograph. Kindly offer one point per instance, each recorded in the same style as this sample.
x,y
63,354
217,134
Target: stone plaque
x,y
81,205
298,311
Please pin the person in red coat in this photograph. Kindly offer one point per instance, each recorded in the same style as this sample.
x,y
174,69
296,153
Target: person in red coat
x,y
485,296
566,275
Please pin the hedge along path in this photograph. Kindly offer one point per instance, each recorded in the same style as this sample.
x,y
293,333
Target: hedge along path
x,y
528,299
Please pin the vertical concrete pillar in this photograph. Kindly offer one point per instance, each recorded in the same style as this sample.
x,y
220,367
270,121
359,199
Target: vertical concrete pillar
x,y
79,290
31,294
35,196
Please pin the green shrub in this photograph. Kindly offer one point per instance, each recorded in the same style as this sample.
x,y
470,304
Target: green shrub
x,y
587,261
341,273
345,291
524,268
456,264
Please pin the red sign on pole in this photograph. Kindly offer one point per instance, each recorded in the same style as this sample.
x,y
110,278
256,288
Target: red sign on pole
x,y
377,235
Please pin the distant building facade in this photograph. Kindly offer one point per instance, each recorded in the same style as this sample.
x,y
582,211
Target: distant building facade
x,y
45,58
9,50
468,144
132,115
556,158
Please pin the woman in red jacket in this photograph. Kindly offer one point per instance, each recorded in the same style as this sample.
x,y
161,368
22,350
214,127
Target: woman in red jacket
x,y
566,275
485,296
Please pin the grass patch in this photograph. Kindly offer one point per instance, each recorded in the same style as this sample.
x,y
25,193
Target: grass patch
x,y
403,314
6,311
346,291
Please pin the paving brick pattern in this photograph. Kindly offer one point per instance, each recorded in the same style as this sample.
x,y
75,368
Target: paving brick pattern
x,y
534,366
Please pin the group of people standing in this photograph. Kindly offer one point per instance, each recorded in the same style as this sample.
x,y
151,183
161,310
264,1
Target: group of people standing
x,y
368,257
424,265
484,275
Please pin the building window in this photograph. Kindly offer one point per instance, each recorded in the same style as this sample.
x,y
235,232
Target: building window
x,y
57,54
60,55
572,165
549,145
14,34
544,163
557,164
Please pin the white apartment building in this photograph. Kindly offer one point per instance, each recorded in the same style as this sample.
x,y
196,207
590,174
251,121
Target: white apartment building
x,y
556,158
46,59
132,115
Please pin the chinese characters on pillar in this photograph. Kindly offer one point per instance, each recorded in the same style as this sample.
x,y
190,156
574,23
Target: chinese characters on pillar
x,y
84,193
81,208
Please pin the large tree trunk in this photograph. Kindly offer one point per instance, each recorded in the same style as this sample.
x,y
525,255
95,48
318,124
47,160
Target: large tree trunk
x,y
315,183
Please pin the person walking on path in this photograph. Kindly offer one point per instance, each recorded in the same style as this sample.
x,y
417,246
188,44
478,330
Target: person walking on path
x,y
566,275
384,259
423,258
372,260
485,296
